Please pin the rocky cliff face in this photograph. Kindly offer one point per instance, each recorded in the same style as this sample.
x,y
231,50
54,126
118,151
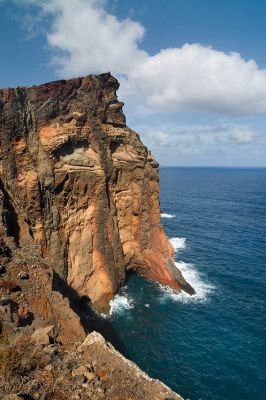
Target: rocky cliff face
x,y
75,180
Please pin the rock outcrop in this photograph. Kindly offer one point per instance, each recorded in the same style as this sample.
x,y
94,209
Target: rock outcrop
x,y
31,303
75,180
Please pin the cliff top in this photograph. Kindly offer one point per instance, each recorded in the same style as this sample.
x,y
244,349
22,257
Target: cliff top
x,y
93,95
106,76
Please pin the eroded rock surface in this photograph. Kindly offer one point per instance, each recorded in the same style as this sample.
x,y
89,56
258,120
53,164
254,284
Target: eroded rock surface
x,y
75,180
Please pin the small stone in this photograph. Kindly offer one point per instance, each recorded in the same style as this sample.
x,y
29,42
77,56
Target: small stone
x,y
79,371
78,380
51,350
100,391
90,376
90,367
48,367
23,275
43,335
84,371
90,340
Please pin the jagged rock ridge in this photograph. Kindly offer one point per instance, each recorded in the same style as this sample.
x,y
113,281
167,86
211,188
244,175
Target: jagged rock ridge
x,y
75,180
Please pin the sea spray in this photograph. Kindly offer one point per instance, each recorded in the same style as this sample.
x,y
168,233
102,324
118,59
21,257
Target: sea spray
x,y
191,274
120,303
178,243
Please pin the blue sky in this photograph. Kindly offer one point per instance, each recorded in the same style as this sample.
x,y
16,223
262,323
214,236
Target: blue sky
x,y
186,77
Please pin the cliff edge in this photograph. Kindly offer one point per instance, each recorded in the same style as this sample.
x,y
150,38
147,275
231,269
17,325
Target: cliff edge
x,y
77,182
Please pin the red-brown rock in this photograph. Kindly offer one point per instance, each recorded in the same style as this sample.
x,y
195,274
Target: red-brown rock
x,y
77,181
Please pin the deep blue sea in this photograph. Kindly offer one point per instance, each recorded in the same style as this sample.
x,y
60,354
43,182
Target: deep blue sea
x,y
211,346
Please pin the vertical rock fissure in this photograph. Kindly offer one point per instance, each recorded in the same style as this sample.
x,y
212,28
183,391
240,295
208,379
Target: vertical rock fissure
x,y
9,216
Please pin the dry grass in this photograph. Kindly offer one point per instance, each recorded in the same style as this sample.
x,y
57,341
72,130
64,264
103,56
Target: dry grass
x,y
11,362
15,359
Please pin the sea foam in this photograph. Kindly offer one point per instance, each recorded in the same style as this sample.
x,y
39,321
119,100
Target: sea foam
x,y
192,276
178,243
120,303
165,215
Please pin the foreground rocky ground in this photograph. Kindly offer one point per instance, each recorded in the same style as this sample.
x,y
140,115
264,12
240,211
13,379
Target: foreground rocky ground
x,y
44,351
91,370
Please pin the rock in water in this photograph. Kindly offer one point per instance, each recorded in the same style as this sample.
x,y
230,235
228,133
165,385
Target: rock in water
x,y
79,183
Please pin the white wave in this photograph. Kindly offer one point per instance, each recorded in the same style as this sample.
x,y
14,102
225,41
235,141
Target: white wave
x,y
120,303
165,215
191,274
178,243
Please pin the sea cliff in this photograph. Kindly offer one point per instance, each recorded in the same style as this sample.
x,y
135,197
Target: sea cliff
x,y
79,210
79,183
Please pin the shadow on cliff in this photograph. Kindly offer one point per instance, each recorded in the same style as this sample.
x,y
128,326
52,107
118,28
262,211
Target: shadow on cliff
x,y
89,318
9,215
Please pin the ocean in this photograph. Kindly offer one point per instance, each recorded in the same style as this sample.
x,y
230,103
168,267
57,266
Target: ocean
x,y
211,346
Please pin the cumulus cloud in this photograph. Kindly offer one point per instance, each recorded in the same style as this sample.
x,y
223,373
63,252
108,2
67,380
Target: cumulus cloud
x,y
87,39
194,77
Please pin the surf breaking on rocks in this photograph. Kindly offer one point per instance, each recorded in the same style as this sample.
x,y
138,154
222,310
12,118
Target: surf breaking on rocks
x,y
191,274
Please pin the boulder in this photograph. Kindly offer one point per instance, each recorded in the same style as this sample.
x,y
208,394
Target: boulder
x,y
44,335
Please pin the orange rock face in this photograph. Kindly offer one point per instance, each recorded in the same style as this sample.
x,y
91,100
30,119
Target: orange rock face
x,y
81,184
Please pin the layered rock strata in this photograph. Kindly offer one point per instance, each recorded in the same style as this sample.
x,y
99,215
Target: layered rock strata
x,y
75,180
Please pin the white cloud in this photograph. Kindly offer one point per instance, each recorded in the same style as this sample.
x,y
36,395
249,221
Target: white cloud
x,y
194,77
242,136
198,136
89,40
159,138
213,143
86,39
